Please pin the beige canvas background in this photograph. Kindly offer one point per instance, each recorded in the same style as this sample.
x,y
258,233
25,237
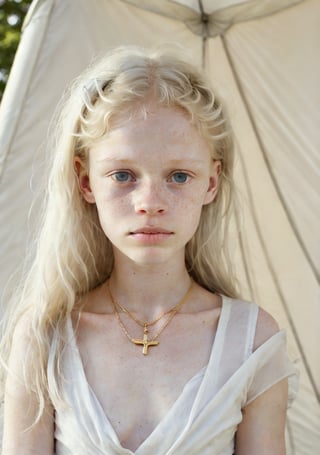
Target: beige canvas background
x,y
264,58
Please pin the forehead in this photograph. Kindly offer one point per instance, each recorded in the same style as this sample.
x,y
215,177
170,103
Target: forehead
x,y
153,129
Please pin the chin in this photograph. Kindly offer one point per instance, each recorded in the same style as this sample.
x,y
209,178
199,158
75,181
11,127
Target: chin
x,y
152,257
149,256
149,261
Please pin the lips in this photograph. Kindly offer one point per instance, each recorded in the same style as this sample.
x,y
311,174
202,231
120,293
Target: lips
x,y
151,230
151,235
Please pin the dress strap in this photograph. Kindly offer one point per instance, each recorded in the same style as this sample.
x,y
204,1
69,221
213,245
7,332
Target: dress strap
x,y
253,311
237,343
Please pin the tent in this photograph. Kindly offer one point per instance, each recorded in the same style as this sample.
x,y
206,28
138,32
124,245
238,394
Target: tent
x,y
264,57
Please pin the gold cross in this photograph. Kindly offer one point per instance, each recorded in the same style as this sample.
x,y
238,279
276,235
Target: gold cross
x,y
145,341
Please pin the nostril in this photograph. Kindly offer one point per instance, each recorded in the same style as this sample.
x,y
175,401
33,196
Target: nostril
x,y
150,210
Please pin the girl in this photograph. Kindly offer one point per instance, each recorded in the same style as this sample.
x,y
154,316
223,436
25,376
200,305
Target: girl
x,y
128,337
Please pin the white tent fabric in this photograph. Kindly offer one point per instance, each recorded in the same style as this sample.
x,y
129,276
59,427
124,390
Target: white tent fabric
x,y
264,57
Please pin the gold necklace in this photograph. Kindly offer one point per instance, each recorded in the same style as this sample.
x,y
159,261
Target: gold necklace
x,y
145,342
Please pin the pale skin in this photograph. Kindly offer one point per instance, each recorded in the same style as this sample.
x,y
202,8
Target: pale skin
x,y
153,172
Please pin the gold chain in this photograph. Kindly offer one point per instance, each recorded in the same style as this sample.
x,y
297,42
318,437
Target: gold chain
x,y
146,323
145,342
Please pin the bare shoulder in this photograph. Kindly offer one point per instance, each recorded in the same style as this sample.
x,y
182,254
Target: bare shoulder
x,y
22,329
21,336
267,326
19,355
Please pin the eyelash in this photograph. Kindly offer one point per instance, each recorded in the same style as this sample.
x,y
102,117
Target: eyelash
x,y
115,174
188,176
132,178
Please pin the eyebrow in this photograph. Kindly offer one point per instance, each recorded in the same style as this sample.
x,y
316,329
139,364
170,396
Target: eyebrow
x,y
130,161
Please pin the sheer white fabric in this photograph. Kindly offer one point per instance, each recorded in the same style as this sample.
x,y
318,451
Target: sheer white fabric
x,y
204,418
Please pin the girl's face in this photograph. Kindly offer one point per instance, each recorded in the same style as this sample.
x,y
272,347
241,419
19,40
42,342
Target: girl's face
x,y
149,178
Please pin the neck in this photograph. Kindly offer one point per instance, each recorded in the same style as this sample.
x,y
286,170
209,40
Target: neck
x,y
149,291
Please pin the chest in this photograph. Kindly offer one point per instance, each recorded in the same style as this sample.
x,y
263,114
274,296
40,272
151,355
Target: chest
x,y
136,391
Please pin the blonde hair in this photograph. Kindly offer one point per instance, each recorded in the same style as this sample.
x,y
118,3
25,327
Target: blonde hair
x,y
73,254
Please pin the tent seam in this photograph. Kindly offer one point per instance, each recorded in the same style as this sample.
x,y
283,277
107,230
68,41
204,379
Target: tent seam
x,y
243,257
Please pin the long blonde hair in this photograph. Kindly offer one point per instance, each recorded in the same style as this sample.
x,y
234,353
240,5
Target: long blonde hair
x,y
73,255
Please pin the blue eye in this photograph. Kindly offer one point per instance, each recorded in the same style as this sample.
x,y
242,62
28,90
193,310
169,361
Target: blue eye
x,y
122,176
180,177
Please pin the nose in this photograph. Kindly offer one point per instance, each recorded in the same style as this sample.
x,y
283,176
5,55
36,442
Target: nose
x,y
150,199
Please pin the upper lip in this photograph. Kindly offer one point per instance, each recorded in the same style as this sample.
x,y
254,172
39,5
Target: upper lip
x,y
151,230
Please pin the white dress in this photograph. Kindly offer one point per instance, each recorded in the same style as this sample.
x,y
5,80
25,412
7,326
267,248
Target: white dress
x,y
204,418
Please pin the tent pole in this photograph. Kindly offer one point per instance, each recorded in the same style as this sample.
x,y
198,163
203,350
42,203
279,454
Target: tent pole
x,y
205,32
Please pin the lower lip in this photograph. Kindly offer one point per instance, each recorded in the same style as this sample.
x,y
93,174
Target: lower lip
x,y
151,238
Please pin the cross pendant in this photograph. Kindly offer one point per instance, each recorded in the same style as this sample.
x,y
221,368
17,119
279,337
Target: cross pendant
x,y
145,343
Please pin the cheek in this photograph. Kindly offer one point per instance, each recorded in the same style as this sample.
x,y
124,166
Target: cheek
x,y
190,211
112,207
111,211
196,197
115,206
110,200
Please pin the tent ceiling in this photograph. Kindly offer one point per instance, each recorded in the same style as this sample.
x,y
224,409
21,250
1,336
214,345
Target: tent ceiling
x,y
212,18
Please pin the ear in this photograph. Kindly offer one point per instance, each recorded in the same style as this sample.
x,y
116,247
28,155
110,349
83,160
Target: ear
x,y
83,180
214,180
